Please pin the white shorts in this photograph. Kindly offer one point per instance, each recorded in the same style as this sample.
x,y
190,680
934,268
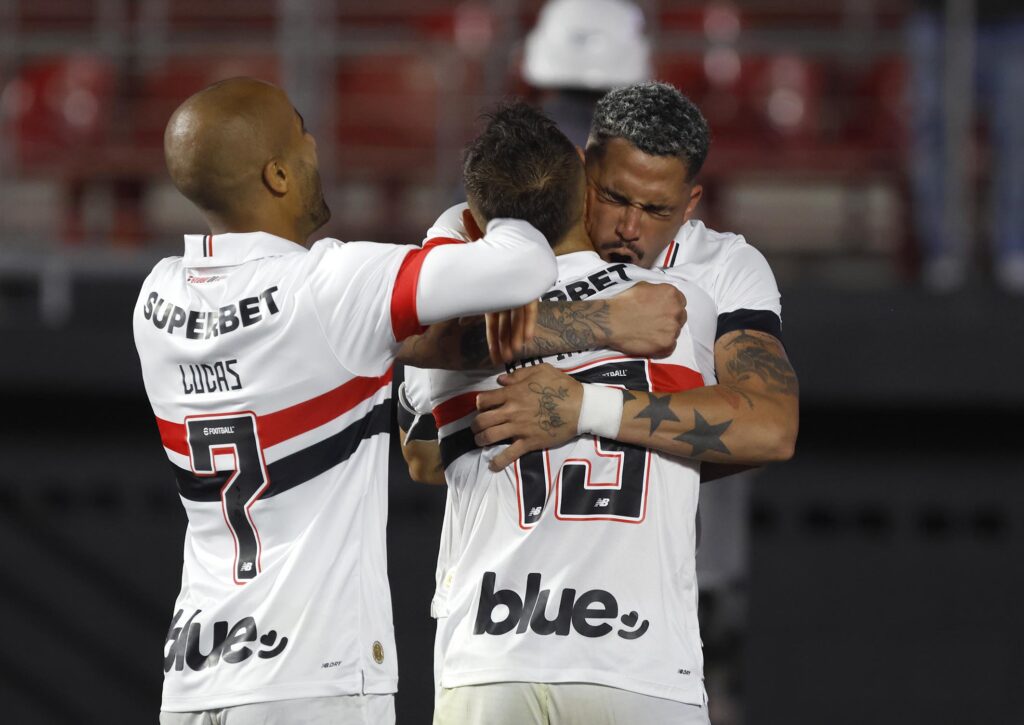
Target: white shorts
x,y
341,710
527,703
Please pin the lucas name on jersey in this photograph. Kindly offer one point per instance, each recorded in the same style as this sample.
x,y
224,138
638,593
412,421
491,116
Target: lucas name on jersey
x,y
202,325
217,377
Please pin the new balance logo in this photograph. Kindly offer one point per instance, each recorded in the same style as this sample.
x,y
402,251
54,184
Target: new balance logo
x,y
582,613
535,511
602,503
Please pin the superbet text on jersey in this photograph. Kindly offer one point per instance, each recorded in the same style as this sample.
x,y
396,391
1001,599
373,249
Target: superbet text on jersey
x,y
268,368
575,564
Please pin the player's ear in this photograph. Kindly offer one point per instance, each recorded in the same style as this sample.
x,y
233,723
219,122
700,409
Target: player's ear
x,y
275,176
696,192
472,228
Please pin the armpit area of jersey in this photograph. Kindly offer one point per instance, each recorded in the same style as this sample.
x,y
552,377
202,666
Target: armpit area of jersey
x,y
417,427
760,320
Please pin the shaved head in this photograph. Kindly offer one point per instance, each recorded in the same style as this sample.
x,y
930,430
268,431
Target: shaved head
x,y
237,150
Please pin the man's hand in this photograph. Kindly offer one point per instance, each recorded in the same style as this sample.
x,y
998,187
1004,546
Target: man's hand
x,y
536,407
645,320
509,331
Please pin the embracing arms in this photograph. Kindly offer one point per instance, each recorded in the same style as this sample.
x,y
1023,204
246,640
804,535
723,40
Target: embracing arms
x,y
643,321
749,418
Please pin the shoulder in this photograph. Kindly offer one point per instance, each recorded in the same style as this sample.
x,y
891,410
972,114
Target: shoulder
x,y
167,269
167,265
727,267
449,225
696,244
355,252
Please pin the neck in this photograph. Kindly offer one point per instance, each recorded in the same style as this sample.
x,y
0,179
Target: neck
x,y
278,227
575,240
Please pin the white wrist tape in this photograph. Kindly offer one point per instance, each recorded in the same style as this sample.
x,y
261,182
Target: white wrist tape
x,y
600,412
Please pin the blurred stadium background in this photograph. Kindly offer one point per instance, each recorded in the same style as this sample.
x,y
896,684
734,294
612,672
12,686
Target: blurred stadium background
x,y
878,573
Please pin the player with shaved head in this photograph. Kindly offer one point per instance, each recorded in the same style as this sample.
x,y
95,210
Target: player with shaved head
x,y
268,365
240,152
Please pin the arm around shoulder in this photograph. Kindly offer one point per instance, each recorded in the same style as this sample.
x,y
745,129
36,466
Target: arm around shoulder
x,y
510,266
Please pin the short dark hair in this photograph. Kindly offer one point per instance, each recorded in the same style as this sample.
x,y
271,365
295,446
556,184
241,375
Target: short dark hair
x,y
522,166
657,119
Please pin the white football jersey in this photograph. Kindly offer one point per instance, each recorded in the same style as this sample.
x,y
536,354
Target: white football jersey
x,y
734,274
268,367
575,564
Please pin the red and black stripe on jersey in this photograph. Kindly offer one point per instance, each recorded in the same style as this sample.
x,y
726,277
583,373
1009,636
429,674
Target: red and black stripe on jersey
x,y
296,468
629,373
668,260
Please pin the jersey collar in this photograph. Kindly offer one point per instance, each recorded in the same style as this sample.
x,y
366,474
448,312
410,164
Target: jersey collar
x,y
219,250
576,264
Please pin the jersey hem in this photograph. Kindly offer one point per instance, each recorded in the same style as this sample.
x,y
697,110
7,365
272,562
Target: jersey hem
x,y
690,695
352,685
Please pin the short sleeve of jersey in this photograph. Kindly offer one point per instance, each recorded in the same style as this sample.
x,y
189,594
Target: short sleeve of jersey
x,y
352,286
417,389
746,282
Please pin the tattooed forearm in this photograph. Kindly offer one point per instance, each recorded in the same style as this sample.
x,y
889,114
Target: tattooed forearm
x,y
704,436
773,369
760,357
657,410
732,396
745,338
570,326
549,415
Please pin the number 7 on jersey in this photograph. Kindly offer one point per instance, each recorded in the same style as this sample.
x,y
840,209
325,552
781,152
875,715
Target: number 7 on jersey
x,y
230,442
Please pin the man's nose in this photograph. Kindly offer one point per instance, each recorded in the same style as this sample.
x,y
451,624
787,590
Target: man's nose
x,y
629,223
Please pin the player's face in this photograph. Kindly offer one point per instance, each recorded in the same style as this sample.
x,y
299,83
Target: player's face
x,y
311,195
636,202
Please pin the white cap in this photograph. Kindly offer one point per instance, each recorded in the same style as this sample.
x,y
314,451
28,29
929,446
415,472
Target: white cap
x,y
593,44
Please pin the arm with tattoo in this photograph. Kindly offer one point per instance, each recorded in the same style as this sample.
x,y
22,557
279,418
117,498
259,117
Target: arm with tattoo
x,y
643,321
750,417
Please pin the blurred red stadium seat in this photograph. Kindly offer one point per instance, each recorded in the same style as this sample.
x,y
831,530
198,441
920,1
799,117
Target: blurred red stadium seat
x,y
162,89
879,116
386,113
55,106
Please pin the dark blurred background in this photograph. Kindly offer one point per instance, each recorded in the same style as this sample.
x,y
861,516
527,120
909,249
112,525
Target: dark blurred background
x,y
871,150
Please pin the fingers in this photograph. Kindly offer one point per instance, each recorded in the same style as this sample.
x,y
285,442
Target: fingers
x,y
490,399
504,332
509,332
529,324
493,349
509,456
493,435
515,341
489,419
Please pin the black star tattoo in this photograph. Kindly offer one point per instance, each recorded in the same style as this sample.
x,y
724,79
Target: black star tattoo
x,y
627,396
704,436
657,411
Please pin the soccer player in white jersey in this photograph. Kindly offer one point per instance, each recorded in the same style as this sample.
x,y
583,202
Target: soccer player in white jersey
x,y
565,588
647,144
268,366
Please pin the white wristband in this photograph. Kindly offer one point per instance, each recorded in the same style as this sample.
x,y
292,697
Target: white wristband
x,y
600,411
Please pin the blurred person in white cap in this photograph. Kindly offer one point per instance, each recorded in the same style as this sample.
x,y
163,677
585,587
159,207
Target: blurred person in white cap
x,y
578,50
